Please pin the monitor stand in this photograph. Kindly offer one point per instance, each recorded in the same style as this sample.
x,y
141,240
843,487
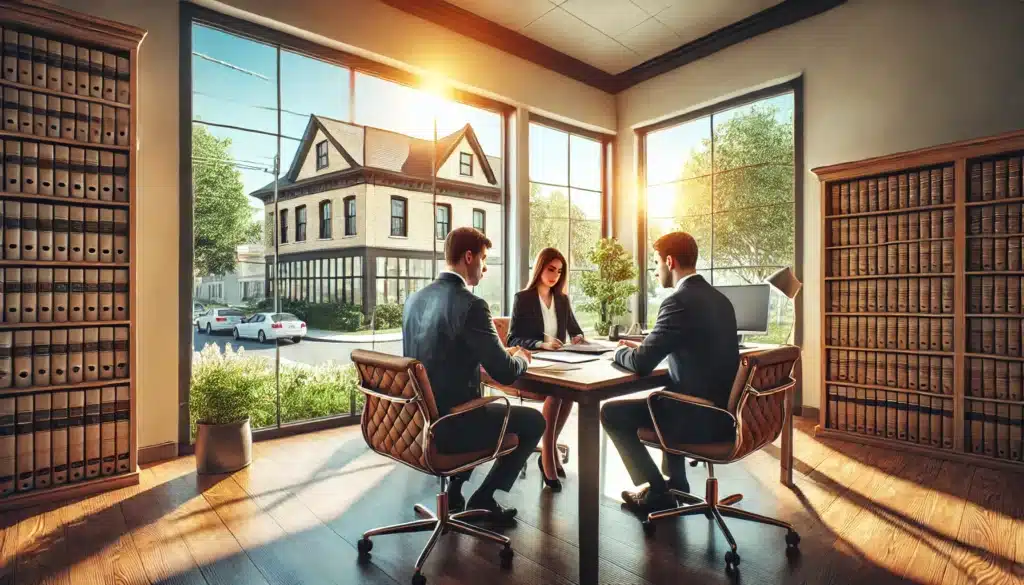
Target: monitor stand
x,y
739,340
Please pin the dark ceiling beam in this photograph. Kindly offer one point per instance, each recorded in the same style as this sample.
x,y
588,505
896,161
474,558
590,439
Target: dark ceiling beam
x,y
478,28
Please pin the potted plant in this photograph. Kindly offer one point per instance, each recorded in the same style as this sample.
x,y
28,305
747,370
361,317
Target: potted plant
x,y
225,395
609,287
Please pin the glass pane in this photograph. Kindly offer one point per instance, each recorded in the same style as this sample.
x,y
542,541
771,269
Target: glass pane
x,y
698,226
547,232
310,86
549,155
586,319
585,235
584,163
585,204
679,152
489,288
547,201
289,150
761,132
689,197
234,80
761,238
758,186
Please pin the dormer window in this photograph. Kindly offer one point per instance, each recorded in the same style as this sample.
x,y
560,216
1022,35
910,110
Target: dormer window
x,y
321,155
465,164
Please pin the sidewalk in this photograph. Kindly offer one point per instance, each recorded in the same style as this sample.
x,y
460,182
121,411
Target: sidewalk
x,y
343,337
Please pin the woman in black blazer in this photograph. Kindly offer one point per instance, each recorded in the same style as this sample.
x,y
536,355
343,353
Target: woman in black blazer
x,y
541,320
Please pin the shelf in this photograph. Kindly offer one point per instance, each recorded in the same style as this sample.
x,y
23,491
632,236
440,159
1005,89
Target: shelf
x,y
929,315
906,351
913,275
64,264
994,273
993,236
63,324
989,356
61,199
1019,402
79,386
995,315
68,491
69,96
887,389
994,202
64,141
893,211
875,245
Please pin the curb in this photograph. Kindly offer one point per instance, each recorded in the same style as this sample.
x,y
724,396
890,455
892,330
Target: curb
x,y
356,338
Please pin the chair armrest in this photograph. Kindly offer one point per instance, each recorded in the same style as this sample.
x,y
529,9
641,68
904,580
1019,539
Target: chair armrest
x,y
462,409
387,398
685,399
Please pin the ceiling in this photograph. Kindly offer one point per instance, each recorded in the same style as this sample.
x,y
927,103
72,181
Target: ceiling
x,y
614,35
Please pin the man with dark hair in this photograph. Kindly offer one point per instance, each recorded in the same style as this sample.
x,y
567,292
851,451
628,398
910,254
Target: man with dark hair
x,y
449,329
696,330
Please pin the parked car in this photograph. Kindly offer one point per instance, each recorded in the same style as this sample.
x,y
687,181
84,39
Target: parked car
x,y
222,319
197,310
264,326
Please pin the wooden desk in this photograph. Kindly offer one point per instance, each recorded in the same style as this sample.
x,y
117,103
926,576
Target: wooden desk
x,y
594,382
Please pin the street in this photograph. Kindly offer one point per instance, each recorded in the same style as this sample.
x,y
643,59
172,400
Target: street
x,y
307,351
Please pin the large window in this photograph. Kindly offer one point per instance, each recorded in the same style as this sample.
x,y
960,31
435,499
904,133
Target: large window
x,y
726,176
398,217
566,178
321,155
443,221
480,220
300,223
350,215
325,220
284,226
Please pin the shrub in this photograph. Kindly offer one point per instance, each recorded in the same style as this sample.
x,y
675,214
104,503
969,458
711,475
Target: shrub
x,y
388,316
229,386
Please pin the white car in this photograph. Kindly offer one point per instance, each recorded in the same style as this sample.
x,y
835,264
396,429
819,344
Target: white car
x,y
264,326
219,320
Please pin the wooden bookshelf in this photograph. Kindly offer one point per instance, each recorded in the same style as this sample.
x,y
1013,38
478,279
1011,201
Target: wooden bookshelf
x,y
974,189
61,172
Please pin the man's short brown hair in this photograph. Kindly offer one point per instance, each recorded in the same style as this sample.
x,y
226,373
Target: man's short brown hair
x,y
679,245
462,240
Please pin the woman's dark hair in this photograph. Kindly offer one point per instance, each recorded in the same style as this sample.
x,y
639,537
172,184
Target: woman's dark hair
x,y
543,259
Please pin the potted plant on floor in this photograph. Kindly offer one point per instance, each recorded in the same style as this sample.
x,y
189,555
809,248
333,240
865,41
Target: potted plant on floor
x,y
609,287
224,397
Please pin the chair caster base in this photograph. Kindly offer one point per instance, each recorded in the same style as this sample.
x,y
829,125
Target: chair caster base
x,y
418,579
792,539
732,560
364,546
506,556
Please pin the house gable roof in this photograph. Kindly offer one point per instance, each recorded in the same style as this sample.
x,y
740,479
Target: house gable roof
x,y
316,123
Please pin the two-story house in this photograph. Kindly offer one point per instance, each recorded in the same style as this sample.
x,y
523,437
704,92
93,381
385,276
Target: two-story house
x,y
354,211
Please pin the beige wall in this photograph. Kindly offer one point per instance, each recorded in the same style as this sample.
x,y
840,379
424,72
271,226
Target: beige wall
x,y
367,24
880,76
420,233
450,168
338,238
335,162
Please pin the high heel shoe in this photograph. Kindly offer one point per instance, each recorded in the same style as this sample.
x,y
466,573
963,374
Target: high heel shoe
x,y
554,484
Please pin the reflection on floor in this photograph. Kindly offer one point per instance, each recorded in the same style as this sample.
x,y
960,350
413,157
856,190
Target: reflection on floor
x,y
866,515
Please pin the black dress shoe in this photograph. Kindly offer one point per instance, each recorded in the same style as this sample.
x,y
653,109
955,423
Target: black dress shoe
x,y
496,512
554,485
645,501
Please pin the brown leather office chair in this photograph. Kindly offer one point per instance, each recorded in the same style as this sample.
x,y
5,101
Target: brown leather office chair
x,y
399,421
757,404
502,324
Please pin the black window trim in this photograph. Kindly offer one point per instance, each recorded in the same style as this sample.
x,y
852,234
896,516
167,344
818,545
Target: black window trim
x,y
404,218
447,207
324,155
326,204
344,211
283,225
463,162
300,226
483,214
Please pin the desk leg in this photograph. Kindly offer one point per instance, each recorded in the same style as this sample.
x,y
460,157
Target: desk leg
x,y
590,487
786,460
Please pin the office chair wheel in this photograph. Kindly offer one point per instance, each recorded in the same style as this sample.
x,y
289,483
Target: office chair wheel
x,y
792,539
364,546
418,579
506,555
732,559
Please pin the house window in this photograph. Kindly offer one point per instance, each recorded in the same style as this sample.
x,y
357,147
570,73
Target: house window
x,y
284,226
350,215
442,221
398,216
480,220
300,223
465,164
325,219
321,155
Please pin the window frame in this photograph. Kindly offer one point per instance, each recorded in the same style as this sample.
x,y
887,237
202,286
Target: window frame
x,y
794,86
344,209
326,205
404,217
483,215
300,223
466,161
437,220
283,225
324,155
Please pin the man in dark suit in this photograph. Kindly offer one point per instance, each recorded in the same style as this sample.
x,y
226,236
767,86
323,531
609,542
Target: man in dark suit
x,y
449,329
696,330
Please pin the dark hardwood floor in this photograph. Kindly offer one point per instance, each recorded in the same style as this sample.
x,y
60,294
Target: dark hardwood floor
x,y
866,515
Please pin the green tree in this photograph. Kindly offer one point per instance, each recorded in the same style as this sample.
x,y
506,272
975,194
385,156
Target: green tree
x,y
609,287
753,200
555,222
222,218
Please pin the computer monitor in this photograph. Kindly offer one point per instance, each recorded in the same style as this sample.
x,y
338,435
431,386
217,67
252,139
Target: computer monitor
x,y
750,301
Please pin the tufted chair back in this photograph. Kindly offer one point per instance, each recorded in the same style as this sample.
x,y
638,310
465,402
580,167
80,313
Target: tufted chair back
x,y
396,429
502,325
758,397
